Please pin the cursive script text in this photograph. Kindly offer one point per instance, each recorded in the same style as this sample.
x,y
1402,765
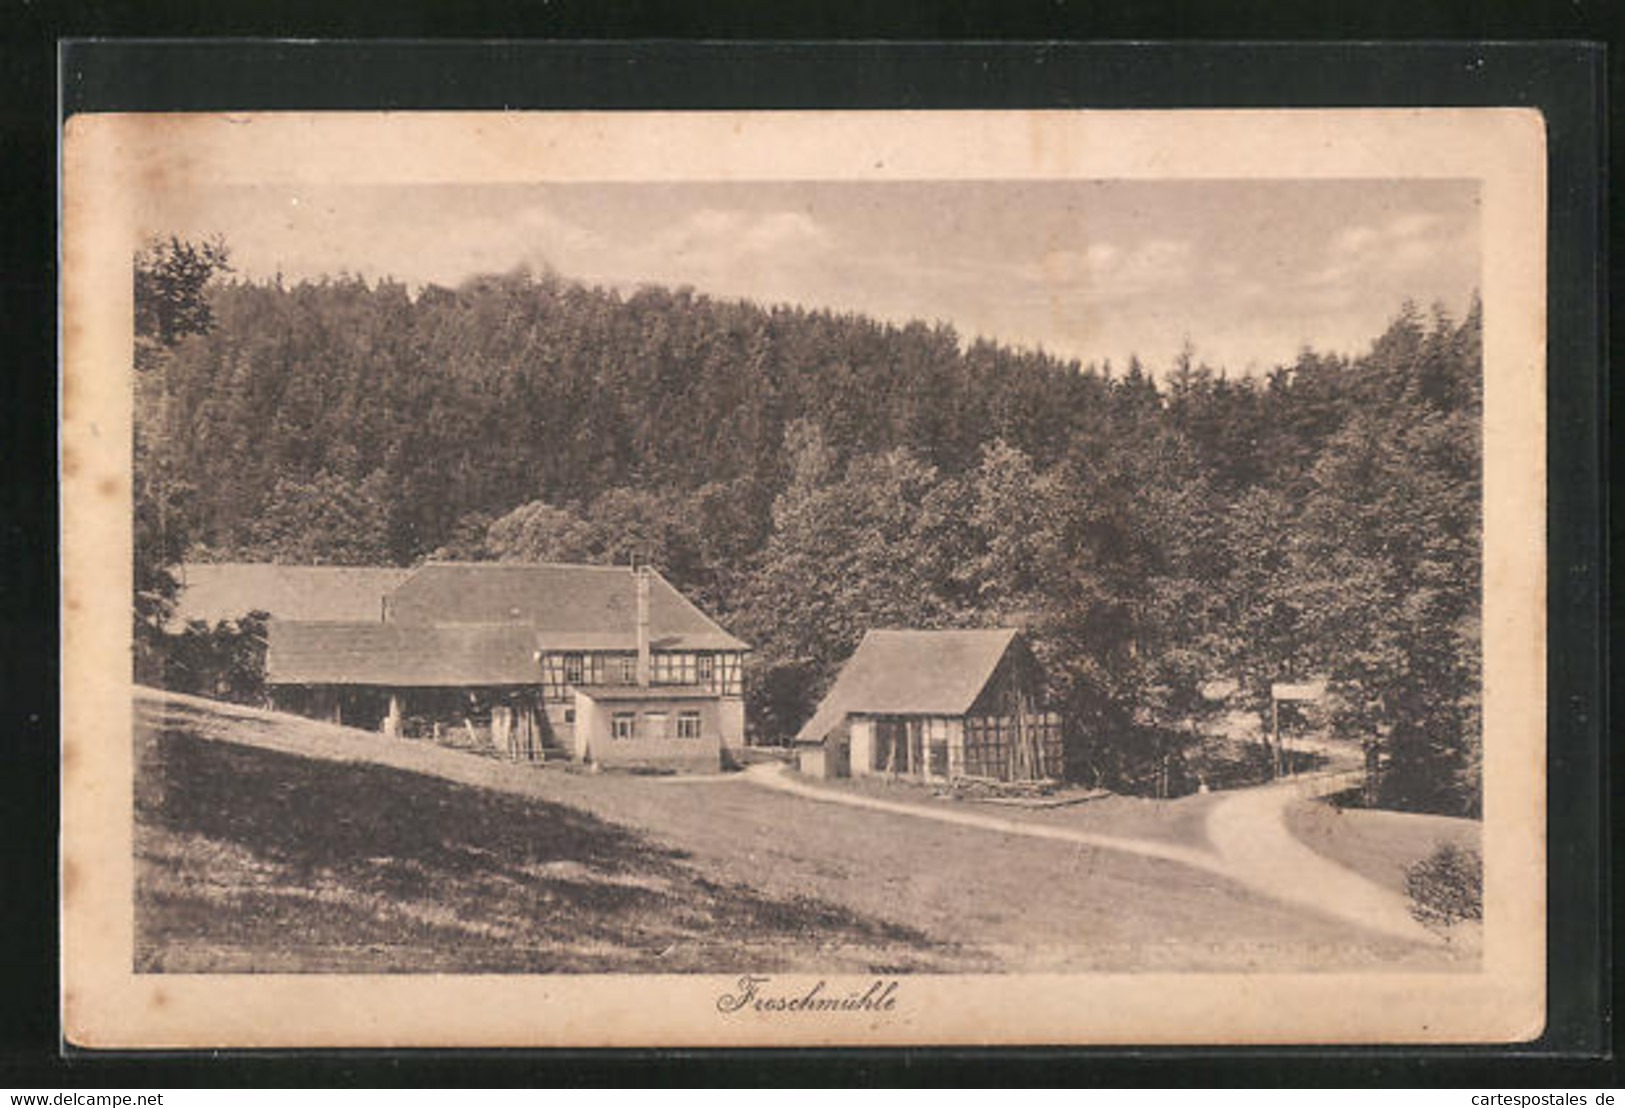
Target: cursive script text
x,y
757,994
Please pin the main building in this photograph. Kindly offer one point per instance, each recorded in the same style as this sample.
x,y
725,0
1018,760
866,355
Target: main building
x,y
602,664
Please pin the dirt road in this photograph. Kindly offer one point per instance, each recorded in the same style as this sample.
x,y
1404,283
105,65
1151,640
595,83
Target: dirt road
x,y
1247,836
1131,888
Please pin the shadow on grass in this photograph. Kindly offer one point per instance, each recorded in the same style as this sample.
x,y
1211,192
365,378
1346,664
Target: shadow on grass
x,y
250,860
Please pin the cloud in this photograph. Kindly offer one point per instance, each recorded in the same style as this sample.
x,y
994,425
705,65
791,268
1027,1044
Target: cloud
x,y
1157,263
535,236
1405,243
715,240
1409,224
1352,240
1247,283
1107,270
1415,255
727,250
785,231
551,233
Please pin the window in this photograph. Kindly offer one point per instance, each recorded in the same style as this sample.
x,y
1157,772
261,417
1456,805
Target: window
x,y
655,724
569,715
688,725
622,725
573,667
728,671
706,666
674,669
629,669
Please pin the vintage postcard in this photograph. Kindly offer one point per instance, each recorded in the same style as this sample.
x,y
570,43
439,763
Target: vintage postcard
x,y
803,578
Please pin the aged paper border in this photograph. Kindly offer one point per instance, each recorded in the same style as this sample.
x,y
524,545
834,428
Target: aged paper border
x,y
110,162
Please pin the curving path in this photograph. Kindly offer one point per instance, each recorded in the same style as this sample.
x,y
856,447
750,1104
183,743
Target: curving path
x,y
1247,830
782,778
1250,843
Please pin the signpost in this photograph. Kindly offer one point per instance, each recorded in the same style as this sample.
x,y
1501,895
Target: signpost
x,y
1286,690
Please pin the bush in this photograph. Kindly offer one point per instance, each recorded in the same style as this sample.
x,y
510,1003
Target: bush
x,y
1224,763
1133,761
224,662
778,699
1447,886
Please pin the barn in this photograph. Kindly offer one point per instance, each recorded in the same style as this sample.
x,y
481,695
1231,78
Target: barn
x,y
211,592
938,706
414,681
610,665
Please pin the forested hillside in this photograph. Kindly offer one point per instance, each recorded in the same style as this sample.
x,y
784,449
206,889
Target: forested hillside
x,y
806,475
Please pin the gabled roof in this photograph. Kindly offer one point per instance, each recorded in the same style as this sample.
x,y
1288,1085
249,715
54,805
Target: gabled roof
x,y
390,654
230,590
572,607
934,673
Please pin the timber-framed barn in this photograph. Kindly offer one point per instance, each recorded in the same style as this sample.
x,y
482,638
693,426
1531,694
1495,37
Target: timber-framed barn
x,y
936,705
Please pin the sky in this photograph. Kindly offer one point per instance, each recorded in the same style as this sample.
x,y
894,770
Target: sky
x,y
1247,272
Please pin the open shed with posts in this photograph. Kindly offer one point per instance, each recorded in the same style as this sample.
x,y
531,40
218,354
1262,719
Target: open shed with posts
x,y
412,680
936,705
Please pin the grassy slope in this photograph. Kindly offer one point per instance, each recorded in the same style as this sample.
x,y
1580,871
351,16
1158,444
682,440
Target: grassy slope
x,y
1378,845
252,859
1178,822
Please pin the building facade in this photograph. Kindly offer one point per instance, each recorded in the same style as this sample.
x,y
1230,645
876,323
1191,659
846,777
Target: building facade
x,y
595,627
661,727
500,652
938,706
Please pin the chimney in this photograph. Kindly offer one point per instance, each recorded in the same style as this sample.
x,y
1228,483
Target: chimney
x,y
640,577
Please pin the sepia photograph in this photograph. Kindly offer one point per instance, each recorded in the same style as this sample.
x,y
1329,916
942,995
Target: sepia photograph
x,y
1013,577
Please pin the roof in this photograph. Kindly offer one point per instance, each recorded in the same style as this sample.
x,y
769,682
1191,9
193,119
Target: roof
x,y
230,590
606,693
927,673
572,607
390,654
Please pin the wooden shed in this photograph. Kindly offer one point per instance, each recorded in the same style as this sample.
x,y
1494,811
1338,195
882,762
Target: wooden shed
x,y
937,705
410,680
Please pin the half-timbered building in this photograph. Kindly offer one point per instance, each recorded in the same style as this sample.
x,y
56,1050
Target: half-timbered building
x,y
936,705
609,665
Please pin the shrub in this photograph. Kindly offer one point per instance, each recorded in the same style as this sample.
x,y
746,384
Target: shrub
x,y
1225,763
1447,886
225,661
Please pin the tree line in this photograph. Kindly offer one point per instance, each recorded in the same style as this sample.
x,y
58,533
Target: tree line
x,y
806,475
